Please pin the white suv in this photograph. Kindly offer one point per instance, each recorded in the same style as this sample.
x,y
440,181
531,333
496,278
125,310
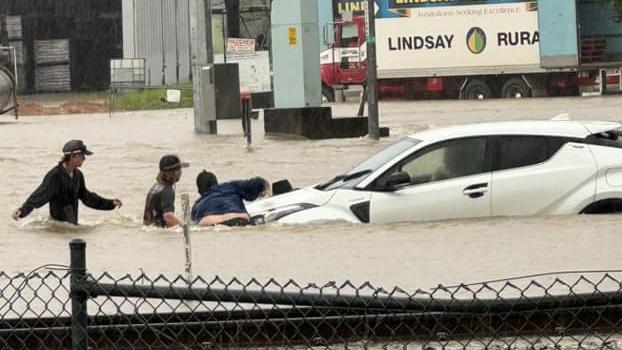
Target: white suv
x,y
476,170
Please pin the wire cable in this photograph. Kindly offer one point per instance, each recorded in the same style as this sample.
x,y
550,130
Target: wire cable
x,y
553,273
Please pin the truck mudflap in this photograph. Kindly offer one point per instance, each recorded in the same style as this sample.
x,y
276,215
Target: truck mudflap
x,y
599,81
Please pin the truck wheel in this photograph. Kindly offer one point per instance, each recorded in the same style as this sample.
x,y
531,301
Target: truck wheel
x,y
515,88
476,89
328,93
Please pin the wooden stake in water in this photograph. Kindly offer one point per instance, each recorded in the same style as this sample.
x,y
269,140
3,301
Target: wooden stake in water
x,y
185,204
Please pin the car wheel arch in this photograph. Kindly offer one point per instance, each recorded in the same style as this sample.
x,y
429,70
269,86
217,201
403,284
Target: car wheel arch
x,y
604,206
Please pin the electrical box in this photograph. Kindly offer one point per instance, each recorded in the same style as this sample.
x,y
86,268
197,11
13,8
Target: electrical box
x,y
295,54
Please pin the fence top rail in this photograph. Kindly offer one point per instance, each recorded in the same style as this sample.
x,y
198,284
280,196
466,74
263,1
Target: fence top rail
x,y
367,302
581,291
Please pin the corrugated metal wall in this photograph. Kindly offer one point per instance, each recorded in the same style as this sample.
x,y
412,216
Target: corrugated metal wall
x,y
15,36
128,25
159,32
93,28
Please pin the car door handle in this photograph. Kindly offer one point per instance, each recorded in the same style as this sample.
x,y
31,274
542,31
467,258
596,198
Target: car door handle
x,y
475,191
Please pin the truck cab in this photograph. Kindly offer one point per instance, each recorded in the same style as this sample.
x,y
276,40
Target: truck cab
x,y
344,62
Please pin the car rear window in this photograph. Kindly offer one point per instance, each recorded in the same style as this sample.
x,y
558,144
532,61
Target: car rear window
x,y
519,151
611,138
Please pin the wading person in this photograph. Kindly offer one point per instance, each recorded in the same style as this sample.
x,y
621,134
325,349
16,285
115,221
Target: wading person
x,y
223,204
160,203
63,186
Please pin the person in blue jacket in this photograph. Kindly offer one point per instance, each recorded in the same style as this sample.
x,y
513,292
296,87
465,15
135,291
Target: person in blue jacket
x,y
223,204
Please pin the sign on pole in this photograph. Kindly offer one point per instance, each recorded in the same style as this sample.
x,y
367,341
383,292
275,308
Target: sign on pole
x,y
240,46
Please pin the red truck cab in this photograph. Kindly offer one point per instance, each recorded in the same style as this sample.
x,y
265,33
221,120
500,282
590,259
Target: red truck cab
x,y
344,62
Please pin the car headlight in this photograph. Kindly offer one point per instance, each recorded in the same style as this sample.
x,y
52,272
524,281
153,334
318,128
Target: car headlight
x,y
281,212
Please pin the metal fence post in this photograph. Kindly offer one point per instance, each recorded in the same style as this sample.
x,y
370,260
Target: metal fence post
x,y
185,203
247,111
79,316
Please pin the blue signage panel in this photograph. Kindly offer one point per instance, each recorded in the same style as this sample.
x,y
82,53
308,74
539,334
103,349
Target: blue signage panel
x,y
427,3
558,33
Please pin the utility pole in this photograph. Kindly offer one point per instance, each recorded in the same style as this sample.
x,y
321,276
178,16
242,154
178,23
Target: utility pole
x,y
372,74
210,88
198,55
203,95
233,18
207,5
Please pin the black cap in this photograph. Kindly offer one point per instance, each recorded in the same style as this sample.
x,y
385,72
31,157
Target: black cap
x,y
171,162
205,180
76,146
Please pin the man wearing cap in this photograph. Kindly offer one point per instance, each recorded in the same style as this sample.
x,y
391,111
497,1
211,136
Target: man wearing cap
x,y
160,202
63,186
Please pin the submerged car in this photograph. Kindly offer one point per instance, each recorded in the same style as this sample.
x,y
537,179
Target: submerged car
x,y
477,170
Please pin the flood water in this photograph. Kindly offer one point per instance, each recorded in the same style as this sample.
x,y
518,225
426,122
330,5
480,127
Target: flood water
x,y
128,146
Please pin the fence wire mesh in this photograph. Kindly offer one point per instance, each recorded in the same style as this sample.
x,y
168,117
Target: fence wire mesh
x,y
139,312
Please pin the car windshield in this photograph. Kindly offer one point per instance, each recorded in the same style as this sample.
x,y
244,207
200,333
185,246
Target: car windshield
x,y
361,171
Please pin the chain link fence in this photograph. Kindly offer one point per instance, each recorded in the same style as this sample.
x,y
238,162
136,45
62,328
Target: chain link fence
x,y
75,310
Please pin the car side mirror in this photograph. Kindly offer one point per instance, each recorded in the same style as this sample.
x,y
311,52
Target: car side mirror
x,y
329,34
394,181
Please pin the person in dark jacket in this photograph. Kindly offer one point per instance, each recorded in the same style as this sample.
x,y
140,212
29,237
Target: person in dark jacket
x,y
63,186
160,202
224,204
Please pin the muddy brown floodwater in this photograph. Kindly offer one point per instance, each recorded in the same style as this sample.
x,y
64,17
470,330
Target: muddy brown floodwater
x,y
128,146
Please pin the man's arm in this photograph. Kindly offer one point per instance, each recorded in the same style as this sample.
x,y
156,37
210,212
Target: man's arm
x,y
40,197
167,201
92,199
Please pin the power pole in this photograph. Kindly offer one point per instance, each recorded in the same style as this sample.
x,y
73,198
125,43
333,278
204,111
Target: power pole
x,y
202,67
372,74
208,31
199,60
233,18
208,80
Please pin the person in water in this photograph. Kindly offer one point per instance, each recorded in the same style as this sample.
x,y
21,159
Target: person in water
x,y
223,204
63,186
160,202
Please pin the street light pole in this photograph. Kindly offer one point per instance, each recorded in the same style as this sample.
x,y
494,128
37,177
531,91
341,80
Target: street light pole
x,y
372,74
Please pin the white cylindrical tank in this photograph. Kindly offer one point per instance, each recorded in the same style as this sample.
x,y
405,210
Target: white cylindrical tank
x,y
7,87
